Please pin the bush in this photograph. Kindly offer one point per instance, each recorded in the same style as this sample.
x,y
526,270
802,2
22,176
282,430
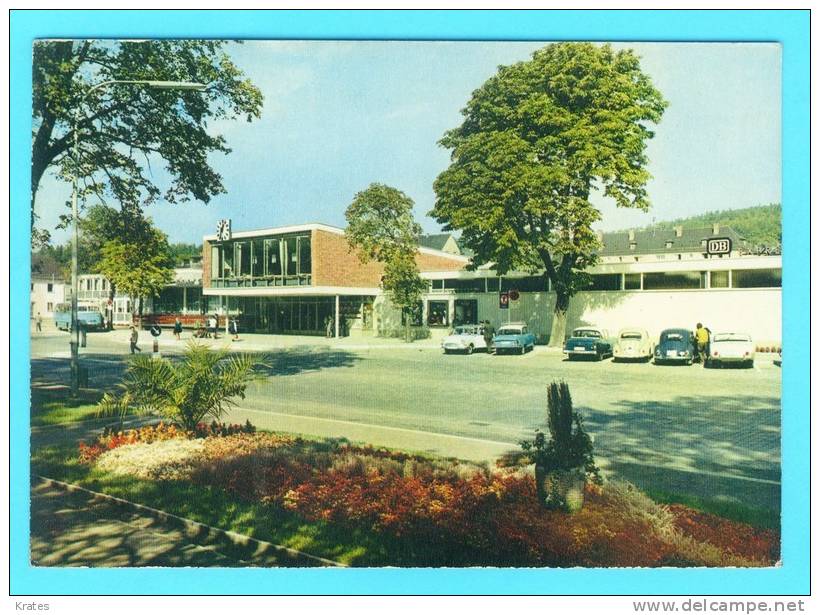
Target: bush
x,y
202,385
567,454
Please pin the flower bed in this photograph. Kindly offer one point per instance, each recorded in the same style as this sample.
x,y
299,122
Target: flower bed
x,y
445,512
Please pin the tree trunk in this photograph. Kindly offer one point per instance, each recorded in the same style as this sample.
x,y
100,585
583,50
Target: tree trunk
x,y
407,329
559,319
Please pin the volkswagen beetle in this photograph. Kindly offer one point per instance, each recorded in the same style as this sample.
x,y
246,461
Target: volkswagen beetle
x,y
633,343
675,346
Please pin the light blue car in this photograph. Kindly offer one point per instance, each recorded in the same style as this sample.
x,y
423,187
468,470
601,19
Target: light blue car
x,y
513,337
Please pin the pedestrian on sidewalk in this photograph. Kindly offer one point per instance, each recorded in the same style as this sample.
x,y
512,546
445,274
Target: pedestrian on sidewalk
x,y
39,322
329,326
216,327
134,339
177,328
233,329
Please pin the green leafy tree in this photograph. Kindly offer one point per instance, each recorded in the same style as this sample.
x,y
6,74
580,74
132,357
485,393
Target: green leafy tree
x,y
182,252
138,269
203,385
537,139
381,227
405,286
123,130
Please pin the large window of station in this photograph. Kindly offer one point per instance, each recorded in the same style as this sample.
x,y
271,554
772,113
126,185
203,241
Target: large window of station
x,y
673,280
613,282
262,261
757,278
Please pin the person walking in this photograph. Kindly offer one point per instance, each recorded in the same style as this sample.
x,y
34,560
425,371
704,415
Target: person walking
x,y
702,341
328,327
233,329
134,339
39,322
216,327
177,329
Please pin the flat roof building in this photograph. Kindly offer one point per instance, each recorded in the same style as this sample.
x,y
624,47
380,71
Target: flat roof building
x,y
305,279
302,279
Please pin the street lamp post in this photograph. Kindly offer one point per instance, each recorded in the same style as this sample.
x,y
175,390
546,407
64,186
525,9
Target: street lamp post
x,y
75,236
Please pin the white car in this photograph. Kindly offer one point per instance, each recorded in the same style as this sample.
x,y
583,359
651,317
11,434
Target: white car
x,y
737,348
633,343
465,338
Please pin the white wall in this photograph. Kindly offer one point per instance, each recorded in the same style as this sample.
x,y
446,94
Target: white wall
x,y
753,311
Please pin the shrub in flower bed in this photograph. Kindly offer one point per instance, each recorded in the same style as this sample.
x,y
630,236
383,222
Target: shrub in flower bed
x,y
737,538
159,460
446,512
111,439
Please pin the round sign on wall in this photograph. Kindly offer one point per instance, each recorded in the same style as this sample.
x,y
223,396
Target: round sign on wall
x,y
514,295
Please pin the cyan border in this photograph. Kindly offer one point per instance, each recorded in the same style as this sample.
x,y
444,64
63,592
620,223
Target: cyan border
x,y
791,28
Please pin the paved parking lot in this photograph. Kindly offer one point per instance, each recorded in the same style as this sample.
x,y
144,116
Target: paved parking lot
x,y
710,432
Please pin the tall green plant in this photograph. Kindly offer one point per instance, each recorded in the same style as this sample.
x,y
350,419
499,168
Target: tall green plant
x,y
203,385
569,446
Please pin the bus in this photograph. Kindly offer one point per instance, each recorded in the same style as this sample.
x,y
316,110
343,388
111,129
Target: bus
x,y
88,314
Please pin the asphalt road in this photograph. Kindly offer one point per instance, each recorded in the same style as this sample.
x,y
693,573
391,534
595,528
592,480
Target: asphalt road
x,y
712,432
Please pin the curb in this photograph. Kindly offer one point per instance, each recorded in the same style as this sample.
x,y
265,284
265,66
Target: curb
x,y
250,551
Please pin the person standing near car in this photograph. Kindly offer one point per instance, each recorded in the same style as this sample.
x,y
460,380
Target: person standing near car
x,y
488,335
134,339
702,341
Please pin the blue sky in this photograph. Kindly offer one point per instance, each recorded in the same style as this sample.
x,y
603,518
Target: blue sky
x,y
341,115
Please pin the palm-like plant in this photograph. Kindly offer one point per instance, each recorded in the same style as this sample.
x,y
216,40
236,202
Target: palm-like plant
x,y
204,384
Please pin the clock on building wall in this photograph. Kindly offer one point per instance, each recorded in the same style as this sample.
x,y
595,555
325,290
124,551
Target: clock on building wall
x,y
223,230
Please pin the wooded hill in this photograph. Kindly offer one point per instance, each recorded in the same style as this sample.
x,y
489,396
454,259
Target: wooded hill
x,y
760,225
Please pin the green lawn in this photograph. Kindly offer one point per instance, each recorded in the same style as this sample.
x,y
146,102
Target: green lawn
x,y
53,406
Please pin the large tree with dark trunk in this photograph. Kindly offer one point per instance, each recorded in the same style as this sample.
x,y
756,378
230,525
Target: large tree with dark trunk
x,y
124,130
537,139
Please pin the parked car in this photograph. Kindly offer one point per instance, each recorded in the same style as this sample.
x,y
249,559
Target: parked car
x,y
736,348
675,346
633,344
588,342
513,337
465,338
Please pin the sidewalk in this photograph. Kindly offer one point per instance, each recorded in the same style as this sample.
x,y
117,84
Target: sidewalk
x,y
74,529
262,342
265,342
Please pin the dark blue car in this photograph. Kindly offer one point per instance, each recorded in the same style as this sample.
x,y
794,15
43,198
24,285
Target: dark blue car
x,y
675,346
588,342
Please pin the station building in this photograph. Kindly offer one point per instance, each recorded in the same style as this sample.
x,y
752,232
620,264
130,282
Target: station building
x,y
298,279
293,280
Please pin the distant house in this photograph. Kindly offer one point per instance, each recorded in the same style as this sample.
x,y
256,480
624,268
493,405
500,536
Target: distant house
x,y
46,294
48,289
443,242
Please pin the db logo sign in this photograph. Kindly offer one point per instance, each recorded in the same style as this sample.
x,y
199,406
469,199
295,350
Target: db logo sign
x,y
719,245
504,301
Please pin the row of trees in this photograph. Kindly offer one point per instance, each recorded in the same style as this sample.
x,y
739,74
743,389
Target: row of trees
x,y
537,140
